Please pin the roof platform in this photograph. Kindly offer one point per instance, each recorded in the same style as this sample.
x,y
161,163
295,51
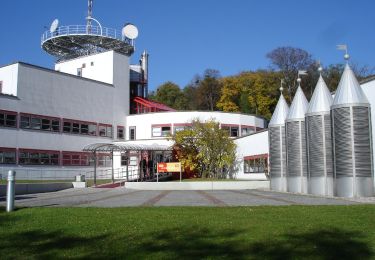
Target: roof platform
x,y
72,41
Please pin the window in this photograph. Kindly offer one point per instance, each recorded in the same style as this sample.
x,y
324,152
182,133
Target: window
x,y
78,127
233,130
75,159
79,72
92,63
256,164
158,131
1,87
7,155
120,132
132,133
104,160
83,65
105,130
124,160
246,130
182,127
38,157
37,122
8,119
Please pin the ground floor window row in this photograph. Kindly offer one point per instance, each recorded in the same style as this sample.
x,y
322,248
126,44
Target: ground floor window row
x,y
256,164
52,158
55,124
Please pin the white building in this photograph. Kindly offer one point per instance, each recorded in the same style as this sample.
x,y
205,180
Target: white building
x,y
93,96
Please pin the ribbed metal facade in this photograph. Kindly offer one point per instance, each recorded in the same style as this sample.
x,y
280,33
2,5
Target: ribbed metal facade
x,y
296,156
352,151
277,157
319,153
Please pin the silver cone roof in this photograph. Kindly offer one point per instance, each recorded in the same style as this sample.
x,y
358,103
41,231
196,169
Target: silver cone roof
x,y
349,91
299,106
280,113
321,100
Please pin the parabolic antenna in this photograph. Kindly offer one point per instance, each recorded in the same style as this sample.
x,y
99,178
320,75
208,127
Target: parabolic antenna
x,y
54,25
130,31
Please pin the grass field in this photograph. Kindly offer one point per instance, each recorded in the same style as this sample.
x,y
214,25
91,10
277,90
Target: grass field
x,y
297,232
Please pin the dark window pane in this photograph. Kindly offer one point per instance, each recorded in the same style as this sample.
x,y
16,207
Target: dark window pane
x,y
75,128
11,120
67,127
2,119
102,131
234,131
84,129
55,125
46,124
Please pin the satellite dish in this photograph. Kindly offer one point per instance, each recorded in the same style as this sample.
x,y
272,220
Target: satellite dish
x,y
130,31
54,25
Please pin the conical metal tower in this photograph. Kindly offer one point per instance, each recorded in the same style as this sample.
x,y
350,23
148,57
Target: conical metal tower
x,y
352,140
319,141
296,144
276,129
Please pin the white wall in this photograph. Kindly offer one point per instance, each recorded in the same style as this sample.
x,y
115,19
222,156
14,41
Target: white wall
x,y
254,144
8,77
369,89
144,122
102,70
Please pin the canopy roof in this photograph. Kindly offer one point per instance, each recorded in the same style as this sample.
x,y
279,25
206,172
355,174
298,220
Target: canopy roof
x,y
124,146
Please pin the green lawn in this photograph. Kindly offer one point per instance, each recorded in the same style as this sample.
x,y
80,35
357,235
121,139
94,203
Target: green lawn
x,y
290,232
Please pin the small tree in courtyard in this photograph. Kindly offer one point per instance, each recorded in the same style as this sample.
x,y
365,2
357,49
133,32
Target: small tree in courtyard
x,y
206,149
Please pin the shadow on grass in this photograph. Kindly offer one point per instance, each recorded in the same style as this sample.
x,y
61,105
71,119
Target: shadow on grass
x,y
188,243
321,244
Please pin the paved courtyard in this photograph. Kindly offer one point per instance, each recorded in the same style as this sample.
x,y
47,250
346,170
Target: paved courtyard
x,y
121,197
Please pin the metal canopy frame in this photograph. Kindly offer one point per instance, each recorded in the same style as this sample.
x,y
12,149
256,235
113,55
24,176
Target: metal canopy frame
x,y
121,147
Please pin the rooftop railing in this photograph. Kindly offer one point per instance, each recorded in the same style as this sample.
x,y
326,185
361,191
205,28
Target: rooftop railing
x,y
85,30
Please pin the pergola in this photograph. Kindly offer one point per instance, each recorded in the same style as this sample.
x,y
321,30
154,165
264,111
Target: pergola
x,y
121,147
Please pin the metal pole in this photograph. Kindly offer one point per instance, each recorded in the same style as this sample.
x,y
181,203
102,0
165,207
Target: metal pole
x,y
113,170
11,190
127,165
95,168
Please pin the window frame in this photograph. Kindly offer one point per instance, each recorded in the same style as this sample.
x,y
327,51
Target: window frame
x,y
122,128
37,157
134,130
163,133
51,125
4,150
256,162
5,120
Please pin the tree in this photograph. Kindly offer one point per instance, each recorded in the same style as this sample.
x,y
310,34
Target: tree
x,y
208,90
169,94
230,95
289,60
250,92
205,148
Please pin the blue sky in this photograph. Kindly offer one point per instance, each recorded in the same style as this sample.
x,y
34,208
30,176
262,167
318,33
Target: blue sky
x,y
185,37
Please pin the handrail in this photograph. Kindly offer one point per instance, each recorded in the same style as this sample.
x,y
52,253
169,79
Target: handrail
x,y
83,30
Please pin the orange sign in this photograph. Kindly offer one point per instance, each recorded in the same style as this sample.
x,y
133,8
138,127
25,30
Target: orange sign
x,y
169,167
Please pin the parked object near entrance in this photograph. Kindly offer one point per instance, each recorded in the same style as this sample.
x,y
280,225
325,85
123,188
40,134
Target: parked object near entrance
x,y
296,144
319,141
277,150
352,140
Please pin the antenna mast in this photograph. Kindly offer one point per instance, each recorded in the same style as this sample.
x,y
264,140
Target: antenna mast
x,y
89,15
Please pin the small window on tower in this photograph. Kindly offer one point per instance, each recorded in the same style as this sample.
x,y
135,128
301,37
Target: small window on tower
x,y
92,63
1,87
79,72
84,65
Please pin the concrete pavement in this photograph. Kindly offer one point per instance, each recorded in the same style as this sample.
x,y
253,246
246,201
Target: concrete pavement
x,y
122,197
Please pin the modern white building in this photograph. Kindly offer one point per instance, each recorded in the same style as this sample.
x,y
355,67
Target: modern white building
x,y
93,95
